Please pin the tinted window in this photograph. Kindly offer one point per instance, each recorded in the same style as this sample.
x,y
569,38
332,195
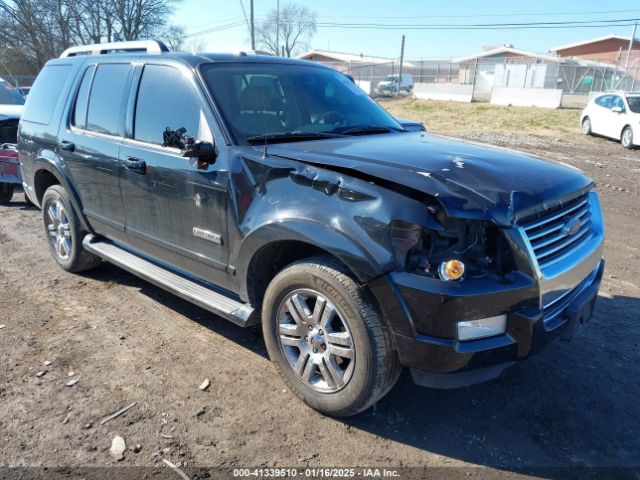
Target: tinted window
x,y
104,114
634,103
604,101
258,99
167,110
617,102
82,100
45,93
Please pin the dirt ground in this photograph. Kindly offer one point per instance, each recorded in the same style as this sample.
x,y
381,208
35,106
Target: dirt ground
x,y
574,405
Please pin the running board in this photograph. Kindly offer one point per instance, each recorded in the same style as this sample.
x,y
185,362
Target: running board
x,y
239,313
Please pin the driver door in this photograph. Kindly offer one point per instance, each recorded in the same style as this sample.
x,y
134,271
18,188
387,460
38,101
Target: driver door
x,y
175,211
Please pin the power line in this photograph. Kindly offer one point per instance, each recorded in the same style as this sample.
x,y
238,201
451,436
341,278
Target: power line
x,y
533,14
484,26
216,29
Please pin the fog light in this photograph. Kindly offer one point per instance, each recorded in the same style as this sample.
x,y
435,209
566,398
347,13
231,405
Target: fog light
x,y
451,270
485,327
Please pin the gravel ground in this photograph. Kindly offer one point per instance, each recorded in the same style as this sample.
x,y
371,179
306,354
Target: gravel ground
x,y
574,405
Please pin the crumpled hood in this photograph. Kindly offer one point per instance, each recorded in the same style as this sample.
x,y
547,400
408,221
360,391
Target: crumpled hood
x,y
470,181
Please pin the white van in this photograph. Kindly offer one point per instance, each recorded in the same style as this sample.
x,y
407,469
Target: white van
x,y
389,84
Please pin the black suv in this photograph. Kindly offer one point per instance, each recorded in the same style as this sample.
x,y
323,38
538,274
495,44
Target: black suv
x,y
272,190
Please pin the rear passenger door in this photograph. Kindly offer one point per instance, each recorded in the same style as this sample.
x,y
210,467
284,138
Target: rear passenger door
x,y
175,211
90,144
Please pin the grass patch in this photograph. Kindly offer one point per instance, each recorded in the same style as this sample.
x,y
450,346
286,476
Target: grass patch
x,y
451,117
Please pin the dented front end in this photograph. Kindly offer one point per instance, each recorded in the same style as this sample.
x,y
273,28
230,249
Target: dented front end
x,y
395,226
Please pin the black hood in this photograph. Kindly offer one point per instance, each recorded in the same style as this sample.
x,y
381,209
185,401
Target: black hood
x,y
469,180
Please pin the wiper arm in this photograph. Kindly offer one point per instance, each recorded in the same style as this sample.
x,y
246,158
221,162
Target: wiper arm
x,y
289,136
369,130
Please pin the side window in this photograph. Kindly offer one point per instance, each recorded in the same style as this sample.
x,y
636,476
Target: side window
x,y
604,101
45,93
82,99
167,110
617,102
104,113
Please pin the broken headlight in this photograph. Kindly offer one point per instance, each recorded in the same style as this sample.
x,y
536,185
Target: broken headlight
x,y
460,249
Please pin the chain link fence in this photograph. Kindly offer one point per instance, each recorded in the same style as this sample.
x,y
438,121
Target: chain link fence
x,y
574,77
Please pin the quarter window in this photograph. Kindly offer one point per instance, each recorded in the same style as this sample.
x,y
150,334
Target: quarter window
x,y
167,109
45,93
104,113
82,100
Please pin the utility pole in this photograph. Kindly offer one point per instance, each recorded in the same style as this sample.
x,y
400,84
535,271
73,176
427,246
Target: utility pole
x,y
401,61
633,37
253,29
278,26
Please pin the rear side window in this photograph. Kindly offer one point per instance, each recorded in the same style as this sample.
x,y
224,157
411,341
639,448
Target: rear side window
x,y
82,100
45,93
604,101
167,109
104,113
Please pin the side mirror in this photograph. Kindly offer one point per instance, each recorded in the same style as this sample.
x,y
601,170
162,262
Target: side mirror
x,y
205,152
616,109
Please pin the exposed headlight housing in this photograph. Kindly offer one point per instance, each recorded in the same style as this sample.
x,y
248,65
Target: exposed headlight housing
x,y
485,327
451,270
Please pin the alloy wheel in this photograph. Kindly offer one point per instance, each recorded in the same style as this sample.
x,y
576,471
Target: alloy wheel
x,y
316,341
627,136
59,230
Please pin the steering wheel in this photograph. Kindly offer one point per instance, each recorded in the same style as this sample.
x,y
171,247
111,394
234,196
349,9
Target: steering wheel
x,y
333,117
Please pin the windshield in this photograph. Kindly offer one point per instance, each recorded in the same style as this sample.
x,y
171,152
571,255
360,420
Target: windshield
x,y
634,103
9,95
389,78
266,99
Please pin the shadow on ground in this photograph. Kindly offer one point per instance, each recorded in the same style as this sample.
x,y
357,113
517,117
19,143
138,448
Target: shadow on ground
x,y
556,409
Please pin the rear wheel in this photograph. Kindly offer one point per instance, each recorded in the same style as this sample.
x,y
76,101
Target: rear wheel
x,y
6,193
586,126
626,139
327,339
64,232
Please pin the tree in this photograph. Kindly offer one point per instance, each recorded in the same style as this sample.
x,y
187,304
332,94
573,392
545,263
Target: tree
x,y
36,30
296,25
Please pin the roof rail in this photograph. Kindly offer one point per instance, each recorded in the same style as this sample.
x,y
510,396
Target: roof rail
x,y
146,46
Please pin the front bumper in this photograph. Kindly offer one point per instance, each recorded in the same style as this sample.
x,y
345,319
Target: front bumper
x,y
541,305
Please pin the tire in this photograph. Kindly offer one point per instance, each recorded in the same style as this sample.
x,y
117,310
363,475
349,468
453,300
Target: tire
x,y
64,232
354,363
626,138
6,193
586,126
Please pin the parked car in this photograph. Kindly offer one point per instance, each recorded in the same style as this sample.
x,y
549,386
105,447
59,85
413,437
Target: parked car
x,y
615,115
9,172
11,104
272,190
389,84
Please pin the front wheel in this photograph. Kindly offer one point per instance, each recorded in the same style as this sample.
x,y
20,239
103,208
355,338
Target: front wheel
x,y
6,193
64,232
586,126
627,137
327,339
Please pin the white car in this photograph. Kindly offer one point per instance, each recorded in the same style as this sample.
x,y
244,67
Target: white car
x,y
614,115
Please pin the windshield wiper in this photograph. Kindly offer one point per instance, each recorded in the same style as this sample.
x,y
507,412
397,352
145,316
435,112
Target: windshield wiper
x,y
289,137
369,130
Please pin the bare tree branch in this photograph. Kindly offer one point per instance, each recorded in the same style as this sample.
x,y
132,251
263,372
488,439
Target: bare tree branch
x,y
297,27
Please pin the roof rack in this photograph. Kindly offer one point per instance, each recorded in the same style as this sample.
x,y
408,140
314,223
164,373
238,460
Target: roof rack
x,y
146,46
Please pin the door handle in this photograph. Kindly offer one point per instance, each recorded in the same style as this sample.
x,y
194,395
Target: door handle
x,y
67,145
136,164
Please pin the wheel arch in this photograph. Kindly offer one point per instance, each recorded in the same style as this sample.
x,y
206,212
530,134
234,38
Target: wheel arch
x,y
272,247
47,172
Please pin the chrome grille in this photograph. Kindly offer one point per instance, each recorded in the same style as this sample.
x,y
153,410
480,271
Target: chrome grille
x,y
550,234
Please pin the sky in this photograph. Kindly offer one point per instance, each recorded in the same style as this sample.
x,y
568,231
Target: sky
x,y
200,15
